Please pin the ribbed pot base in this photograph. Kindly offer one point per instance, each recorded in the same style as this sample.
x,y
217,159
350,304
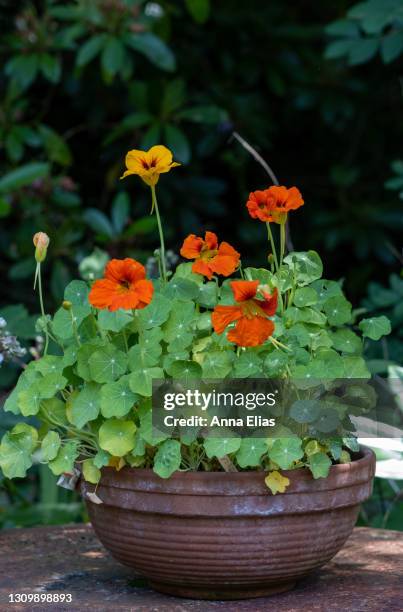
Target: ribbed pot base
x,y
221,593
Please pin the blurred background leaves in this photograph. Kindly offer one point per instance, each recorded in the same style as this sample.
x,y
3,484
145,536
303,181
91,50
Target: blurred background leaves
x,y
316,88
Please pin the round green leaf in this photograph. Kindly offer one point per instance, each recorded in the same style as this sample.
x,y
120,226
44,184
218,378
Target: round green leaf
x,y
168,458
285,451
117,399
86,405
375,327
107,364
117,437
251,451
50,445
65,458
319,464
218,447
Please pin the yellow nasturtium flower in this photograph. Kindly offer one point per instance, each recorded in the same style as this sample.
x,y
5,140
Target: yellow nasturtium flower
x,y
276,482
148,165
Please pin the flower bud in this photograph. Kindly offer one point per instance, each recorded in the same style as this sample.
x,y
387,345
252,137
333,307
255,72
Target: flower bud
x,y
270,258
66,305
41,242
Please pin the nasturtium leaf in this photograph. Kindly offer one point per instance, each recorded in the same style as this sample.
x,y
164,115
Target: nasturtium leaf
x,y
50,364
51,384
251,451
169,359
346,341
304,315
217,364
327,289
29,400
156,313
77,292
355,367
312,447
305,410
50,445
275,363
185,370
248,364
83,355
320,339
218,447
328,419
203,322
305,296
28,435
28,377
276,482
184,270
139,446
15,458
107,364
180,343
101,459
207,295
148,433
306,266
86,405
141,381
55,408
261,274
168,458
180,320
319,464
144,355
114,321
338,310
285,451
181,289
335,448
352,444
360,394
62,324
375,327
91,472
117,436
117,399
327,364
65,458
70,356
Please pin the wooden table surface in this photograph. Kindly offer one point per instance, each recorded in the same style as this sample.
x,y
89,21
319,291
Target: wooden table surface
x,y
366,575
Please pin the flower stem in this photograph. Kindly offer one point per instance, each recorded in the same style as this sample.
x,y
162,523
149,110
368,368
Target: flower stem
x,y
157,214
39,277
282,242
273,247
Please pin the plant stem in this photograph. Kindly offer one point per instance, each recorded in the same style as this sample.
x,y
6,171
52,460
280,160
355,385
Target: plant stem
x,y
282,242
157,214
39,277
273,247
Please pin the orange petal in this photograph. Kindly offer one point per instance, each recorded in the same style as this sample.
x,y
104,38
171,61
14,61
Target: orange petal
x,y
102,292
201,266
244,290
211,240
269,304
224,264
127,269
294,199
222,316
191,247
227,249
145,292
251,332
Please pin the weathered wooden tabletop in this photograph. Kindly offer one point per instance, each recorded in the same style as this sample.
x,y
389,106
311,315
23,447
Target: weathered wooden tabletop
x,y
366,575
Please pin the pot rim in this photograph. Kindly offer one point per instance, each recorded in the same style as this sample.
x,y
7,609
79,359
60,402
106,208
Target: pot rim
x,y
250,482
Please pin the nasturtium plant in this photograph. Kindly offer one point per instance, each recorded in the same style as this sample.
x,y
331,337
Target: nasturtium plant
x,y
90,392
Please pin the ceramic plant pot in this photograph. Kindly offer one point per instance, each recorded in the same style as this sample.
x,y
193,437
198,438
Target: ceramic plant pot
x,y
217,535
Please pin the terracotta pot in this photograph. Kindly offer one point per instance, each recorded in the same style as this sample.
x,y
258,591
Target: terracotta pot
x,y
217,535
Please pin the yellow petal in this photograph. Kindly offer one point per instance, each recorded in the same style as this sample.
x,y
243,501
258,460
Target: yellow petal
x,y
276,482
160,154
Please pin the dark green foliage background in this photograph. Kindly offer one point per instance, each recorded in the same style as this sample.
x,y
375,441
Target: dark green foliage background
x,y
314,87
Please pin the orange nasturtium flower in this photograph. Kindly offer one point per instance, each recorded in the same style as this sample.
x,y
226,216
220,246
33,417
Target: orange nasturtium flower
x,y
148,165
124,286
211,258
253,326
273,204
